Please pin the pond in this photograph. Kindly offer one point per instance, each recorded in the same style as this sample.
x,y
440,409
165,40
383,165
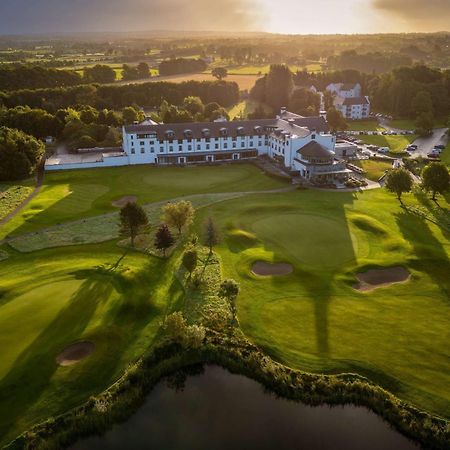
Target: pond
x,y
218,410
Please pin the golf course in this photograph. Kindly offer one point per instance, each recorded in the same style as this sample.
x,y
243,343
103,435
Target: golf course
x,y
58,285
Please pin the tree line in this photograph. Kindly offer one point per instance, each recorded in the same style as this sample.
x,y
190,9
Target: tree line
x,y
181,65
148,95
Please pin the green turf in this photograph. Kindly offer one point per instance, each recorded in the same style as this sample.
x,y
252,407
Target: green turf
x,y
13,194
397,143
445,156
50,299
364,125
71,195
313,319
242,109
375,169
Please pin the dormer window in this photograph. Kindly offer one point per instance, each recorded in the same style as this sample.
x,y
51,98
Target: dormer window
x,y
240,130
170,134
205,132
188,133
223,131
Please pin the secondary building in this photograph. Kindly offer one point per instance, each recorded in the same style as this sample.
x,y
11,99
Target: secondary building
x,y
349,101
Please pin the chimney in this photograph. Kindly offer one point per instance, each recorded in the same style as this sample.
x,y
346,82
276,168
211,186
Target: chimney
x,y
283,110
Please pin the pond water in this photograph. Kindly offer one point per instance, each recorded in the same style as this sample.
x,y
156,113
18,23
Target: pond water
x,y
218,410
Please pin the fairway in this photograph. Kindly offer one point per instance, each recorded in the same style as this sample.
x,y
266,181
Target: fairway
x,y
397,143
71,195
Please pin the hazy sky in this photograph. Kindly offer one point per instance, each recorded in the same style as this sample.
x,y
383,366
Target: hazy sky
x,y
282,16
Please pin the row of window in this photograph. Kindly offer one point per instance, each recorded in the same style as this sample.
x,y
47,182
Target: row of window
x,y
180,141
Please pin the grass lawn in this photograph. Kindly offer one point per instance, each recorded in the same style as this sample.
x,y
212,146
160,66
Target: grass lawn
x,y
58,297
256,69
313,319
70,195
364,125
242,109
396,143
374,169
13,194
410,124
445,156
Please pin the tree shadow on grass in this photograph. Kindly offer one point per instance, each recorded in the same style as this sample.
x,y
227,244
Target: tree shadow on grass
x,y
319,281
33,369
431,256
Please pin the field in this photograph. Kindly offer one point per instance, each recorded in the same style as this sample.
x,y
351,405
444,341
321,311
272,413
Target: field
x,y
245,82
445,157
311,319
374,168
13,194
396,143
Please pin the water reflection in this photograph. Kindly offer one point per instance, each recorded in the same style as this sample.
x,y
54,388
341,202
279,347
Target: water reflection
x,y
221,411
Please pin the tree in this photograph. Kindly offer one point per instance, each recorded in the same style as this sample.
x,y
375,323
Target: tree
x,y
436,178
424,124
229,289
336,120
422,103
399,181
278,86
163,238
100,73
20,154
143,70
210,234
133,221
220,73
88,114
302,100
179,214
210,108
190,258
130,115
193,105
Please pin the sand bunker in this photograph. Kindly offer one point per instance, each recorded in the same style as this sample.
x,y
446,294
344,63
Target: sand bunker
x,y
266,269
75,353
381,277
121,202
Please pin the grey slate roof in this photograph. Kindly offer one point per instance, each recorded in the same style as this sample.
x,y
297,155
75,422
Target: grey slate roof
x,y
300,126
352,101
314,150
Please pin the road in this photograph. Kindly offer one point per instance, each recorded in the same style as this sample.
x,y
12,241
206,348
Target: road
x,y
426,144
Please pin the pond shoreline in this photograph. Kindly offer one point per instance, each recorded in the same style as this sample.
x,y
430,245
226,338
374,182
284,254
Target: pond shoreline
x,y
237,355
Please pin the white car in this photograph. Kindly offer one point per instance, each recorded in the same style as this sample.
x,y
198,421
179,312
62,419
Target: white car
x,y
384,150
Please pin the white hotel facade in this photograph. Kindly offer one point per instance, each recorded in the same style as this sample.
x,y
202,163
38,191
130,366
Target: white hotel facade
x,y
301,144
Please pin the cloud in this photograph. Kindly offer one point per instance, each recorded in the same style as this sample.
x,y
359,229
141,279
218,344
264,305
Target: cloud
x,y
428,14
43,16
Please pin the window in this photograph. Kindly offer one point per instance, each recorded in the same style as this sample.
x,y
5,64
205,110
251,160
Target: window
x,y
180,148
234,144
152,149
142,143
207,146
313,136
242,144
251,143
171,148
161,149
216,146
132,137
180,141
132,151
198,147
225,145
142,150
189,147
152,142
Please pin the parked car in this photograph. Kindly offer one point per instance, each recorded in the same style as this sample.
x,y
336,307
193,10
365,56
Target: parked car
x,y
440,147
437,150
414,146
433,154
366,153
384,150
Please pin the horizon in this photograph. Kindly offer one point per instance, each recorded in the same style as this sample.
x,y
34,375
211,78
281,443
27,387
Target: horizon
x,y
257,16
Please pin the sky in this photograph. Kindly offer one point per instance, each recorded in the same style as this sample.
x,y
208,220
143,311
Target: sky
x,y
279,16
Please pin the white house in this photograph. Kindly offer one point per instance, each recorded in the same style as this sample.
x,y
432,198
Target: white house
x,y
353,108
349,101
199,142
